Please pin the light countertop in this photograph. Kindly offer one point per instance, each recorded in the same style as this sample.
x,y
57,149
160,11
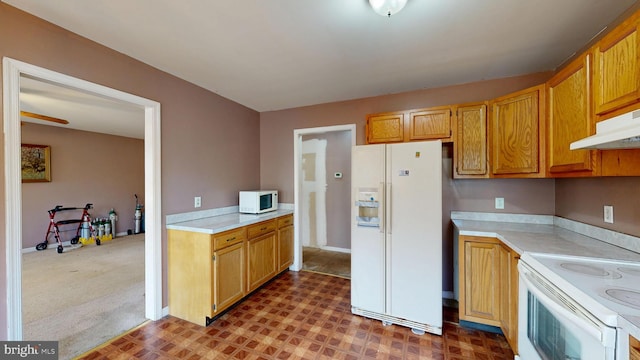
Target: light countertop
x,y
545,238
551,235
225,221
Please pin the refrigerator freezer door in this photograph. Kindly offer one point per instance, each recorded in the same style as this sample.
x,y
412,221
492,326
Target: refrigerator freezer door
x,y
367,242
414,232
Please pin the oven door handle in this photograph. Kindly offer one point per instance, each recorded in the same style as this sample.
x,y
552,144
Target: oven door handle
x,y
577,317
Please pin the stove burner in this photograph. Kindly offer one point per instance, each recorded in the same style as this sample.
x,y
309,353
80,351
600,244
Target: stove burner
x,y
630,270
591,270
625,297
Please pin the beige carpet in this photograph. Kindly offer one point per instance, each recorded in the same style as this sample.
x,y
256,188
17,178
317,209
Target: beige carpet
x,y
84,296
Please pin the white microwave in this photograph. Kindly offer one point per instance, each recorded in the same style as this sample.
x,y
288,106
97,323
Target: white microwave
x,y
258,201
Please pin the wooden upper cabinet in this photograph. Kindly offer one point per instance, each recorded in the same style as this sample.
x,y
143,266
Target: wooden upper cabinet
x,y
385,128
430,124
570,119
410,125
516,133
617,68
634,348
470,145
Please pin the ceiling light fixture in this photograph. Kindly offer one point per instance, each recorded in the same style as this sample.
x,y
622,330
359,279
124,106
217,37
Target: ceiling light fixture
x,y
387,7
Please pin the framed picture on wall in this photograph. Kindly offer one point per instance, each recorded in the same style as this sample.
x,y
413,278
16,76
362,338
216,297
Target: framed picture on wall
x,y
36,163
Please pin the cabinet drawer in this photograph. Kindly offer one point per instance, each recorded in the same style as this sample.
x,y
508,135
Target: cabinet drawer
x,y
228,238
285,221
261,228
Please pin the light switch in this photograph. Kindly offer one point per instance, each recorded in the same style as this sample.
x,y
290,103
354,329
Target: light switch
x,y
608,214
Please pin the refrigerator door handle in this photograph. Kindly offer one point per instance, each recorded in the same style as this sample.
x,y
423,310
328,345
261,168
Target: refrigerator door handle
x,y
388,209
382,209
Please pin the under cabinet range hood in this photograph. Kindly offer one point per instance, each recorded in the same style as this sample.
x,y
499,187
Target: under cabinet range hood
x,y
619,132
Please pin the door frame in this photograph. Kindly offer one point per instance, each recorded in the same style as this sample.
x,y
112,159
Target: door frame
x,y
297,180
12,70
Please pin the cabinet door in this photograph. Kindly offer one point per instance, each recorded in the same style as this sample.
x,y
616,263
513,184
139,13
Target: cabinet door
x,y
515,132
385,128
470,146
570,119
479,280
261,254
228,276
509,295
430,124
617,69
285,247
190,275
634,348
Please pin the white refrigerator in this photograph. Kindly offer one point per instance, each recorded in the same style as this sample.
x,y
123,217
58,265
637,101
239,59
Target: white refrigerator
x,y
396,234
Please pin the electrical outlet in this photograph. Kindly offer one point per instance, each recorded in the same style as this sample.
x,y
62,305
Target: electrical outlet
x,y
608,214
499,203
197,201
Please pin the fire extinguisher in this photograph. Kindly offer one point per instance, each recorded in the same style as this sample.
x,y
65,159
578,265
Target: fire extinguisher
x,y
138,216
112,218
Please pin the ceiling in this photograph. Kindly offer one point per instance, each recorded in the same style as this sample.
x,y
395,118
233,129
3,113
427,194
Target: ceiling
x,y
84,111
278,54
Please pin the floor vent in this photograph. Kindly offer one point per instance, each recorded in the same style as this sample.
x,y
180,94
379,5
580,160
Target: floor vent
x,y
388,320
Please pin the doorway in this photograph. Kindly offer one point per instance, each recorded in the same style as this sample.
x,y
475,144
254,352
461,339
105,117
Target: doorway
x,y
315,208
13,70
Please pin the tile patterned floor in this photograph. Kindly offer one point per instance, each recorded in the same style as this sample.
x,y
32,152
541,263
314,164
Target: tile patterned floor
x,y
299,315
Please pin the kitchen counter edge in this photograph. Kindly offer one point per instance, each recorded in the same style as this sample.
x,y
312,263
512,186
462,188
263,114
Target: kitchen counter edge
x,y
223,222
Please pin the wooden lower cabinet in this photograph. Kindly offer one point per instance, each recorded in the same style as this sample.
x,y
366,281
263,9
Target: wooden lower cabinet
x,y
228,276
488,284
261,253
208,273
509,295
634,348
479,280
285,242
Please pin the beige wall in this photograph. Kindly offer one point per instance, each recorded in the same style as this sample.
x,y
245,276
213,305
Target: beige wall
x,y
521,195
276,127
203,134
583,200
87,167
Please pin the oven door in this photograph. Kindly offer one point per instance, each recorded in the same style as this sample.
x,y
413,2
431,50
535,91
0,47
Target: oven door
x,y
553,326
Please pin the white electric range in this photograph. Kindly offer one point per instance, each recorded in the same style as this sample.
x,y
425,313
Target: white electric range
x,y
570,306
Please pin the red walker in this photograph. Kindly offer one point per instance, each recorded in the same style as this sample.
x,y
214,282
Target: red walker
x,y
53,226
